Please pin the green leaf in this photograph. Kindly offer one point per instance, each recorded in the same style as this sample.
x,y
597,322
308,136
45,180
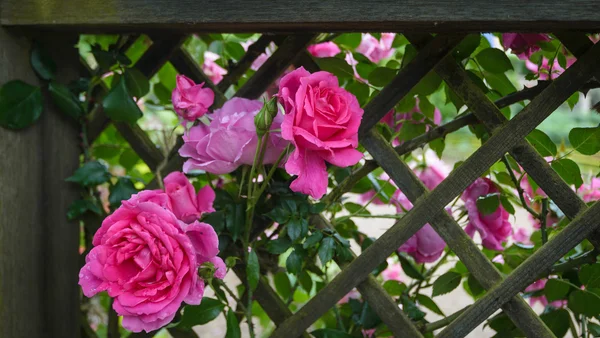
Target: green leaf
x,y
279,215
430,304
585,140
585,303
162,93
336,66
90,174
569,171
572,100
326,250
80,207
494,60
353,208
201,314
438,145
128,158
556,289
253,270
348,40
20,104
504,178
279,245
368,318
542,143
234,50
394,288
313,239
507,205
360,90
233,326
381,76
234,219
293,264
446,283
500,83
65,100
488,204
409,54
42,62
594,329
306,281
428,84
137,83
474,286
466,47
120,191
411,309
330,333
589,275
282,284
558,321
118,104
410,130
409,267
297,228
106,151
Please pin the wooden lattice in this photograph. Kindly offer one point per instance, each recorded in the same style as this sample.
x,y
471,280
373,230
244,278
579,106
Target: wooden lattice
x,y
507,136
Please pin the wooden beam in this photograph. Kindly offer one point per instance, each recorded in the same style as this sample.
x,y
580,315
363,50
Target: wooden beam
x,y
307,15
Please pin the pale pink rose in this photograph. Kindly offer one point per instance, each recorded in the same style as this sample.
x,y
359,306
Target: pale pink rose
x,y
353,294
322,121
211,68
324,49
392,272
147,260
556,68
591,192
260,60
522,236
523,45
538,286
186,204
191,101
352,62
376,50
229,140
370,333
494,228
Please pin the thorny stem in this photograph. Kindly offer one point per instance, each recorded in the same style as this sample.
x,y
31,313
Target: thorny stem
x,y
231,293
262,188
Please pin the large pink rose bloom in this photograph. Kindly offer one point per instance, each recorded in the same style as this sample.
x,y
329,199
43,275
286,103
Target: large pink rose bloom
x,y
191,101
186,204
147,260
591,192
493,228
229,140
523,45
321,120
376,50
324,49
211,68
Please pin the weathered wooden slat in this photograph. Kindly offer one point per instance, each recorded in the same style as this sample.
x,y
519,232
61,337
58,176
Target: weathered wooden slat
x,y
526,273
407,78
140,142
506,138
534,164
274,66
476,262
308,15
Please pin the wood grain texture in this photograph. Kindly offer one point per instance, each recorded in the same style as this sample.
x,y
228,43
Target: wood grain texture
x,y
476,262
39,295
308,15
526,273
408,77
507,137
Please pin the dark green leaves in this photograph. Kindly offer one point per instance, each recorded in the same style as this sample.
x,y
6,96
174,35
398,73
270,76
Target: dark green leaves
x,y
569,171
201,314
20,104
584,302
557,321
122,190
494,60
90,174
488,204
429,303
80,207
409,267
585,140
313,239
336,66
381,76
279,245
394,287
42,63
542,143
136,82
348,40
253,270
65,100
282,284
446,283
589,275
556,289
118,104
326,250
233,326
293,264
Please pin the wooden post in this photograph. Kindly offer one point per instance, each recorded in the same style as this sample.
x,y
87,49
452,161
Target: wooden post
x,y
39,263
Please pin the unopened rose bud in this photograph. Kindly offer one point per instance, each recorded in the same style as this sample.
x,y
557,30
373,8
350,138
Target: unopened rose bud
x,y
206,271
265,116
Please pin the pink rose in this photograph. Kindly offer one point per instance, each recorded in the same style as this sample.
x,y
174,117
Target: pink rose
x,y
211,68
186,205
324,49
322,122
493,228
191,101
392,272
376,50
147,260
229,140
523,45
522,236
539,286
353,294
591,192
556,68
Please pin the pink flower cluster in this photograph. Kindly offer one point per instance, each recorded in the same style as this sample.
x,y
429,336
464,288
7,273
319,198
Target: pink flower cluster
x,y
147,253
493,228
523,45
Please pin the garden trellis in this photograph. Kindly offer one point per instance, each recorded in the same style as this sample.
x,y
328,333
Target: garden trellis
x,y
29,309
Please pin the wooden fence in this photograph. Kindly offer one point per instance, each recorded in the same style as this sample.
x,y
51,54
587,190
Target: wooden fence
x,y
29,309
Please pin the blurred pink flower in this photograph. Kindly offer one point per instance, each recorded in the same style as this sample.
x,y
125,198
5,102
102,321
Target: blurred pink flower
x,y
538,286
392,272
376,50
211,68
545,72
523,45
591,192
324,49
353,294
521,235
